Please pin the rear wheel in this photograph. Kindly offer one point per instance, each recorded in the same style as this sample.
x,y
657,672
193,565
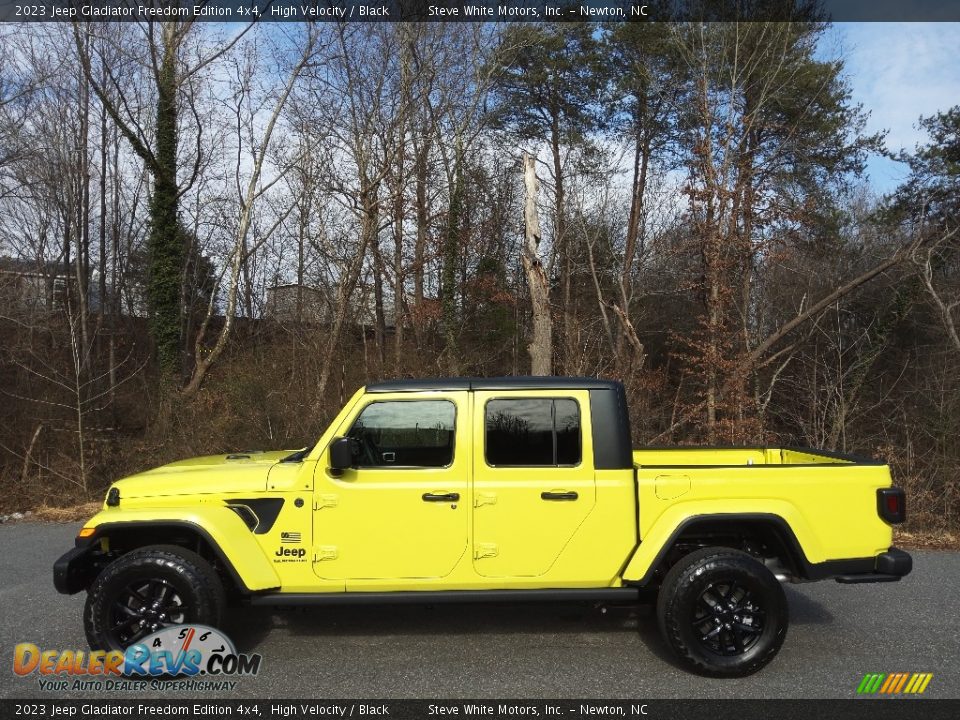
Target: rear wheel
x,y
148,589
722,612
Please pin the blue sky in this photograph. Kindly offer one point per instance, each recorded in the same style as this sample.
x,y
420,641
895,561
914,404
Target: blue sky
x,y
898,71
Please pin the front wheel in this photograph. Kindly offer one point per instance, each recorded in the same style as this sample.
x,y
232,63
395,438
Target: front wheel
x,y
722,612
148,589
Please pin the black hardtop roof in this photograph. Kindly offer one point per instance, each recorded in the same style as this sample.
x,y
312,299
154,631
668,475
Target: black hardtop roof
x,y
495,383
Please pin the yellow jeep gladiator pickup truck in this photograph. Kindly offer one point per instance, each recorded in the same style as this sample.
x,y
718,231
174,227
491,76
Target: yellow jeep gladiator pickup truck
x,y
496,489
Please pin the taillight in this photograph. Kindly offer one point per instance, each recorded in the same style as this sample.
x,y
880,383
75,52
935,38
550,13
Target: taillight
x,y
892,505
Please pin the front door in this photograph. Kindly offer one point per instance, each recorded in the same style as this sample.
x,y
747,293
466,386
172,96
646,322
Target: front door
x,y
533,479
401,512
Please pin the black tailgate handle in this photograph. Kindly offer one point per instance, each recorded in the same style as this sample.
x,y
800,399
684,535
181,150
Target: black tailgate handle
x,y
558,496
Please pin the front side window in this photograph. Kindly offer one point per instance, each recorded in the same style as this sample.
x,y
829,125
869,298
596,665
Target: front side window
x,y
405,433
532,431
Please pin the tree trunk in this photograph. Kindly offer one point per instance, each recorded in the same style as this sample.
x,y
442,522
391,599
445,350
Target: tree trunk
x,y
348,282
641,162
101,307
165,244
714,313
82,265
564,259
399,301
380,320
247,282
302,229
420,243
399,192
448,290
541,345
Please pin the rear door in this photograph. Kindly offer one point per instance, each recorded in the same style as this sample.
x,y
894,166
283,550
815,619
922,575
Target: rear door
x,y
533,478
401,512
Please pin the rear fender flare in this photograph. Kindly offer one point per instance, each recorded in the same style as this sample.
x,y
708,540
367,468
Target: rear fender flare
x,y
656,545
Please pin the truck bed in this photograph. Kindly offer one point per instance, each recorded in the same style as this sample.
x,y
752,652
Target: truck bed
x,y
814,491
741,457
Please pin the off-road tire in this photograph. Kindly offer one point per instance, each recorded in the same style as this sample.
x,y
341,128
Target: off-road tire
x,y
687,617
195,584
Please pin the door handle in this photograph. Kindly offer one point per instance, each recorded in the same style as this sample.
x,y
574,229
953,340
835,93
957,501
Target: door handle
x,y
441,497
558,496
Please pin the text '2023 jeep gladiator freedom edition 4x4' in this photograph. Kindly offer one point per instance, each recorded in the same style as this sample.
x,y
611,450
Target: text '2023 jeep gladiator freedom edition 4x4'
x,y
490,489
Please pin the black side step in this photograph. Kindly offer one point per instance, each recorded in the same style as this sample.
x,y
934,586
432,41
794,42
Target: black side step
x,y
446,596
858,578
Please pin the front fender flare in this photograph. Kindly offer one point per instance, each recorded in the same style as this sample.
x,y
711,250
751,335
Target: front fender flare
x,y
226,534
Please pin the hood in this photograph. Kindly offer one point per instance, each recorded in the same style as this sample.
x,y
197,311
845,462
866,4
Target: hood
x,y
236,472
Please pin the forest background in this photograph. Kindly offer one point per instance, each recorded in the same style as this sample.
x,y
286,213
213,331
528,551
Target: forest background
x,y
210,236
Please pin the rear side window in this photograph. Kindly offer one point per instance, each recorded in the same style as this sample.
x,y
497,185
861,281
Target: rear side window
x,y
532,432
405,433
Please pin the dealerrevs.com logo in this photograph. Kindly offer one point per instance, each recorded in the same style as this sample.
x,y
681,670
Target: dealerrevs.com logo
x,y
894,683
182,652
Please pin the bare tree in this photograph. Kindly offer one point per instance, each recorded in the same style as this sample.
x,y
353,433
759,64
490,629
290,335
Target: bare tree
x,y
164,57
946,300
255,189
541,344
757,101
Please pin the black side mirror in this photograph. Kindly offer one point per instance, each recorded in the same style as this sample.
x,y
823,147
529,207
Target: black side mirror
x,y
341,454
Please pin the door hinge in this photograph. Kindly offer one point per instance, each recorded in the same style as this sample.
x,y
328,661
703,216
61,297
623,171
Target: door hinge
x,y
485,550
324,552
484,499
322,501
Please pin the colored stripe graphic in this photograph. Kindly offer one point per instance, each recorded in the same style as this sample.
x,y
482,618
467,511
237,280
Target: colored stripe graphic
x,y
894,683
891,680
870,683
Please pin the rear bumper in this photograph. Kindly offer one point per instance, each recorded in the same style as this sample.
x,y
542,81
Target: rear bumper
x,y
889,566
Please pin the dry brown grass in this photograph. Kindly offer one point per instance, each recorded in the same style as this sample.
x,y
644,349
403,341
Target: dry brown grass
x,y
75,513
926,540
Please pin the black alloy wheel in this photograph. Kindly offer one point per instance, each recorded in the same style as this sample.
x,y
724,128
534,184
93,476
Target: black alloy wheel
x,y
728,618
142,608
148,589
722,612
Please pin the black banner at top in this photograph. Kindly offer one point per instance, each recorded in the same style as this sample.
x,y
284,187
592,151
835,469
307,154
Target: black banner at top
x,y
479,10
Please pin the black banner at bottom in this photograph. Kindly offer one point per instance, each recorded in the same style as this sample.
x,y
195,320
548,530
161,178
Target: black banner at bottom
x,y
863,708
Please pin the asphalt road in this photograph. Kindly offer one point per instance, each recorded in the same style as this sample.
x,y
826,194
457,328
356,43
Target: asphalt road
x,y
837,633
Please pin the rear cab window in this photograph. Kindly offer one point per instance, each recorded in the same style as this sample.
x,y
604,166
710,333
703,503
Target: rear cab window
x,y
532,432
